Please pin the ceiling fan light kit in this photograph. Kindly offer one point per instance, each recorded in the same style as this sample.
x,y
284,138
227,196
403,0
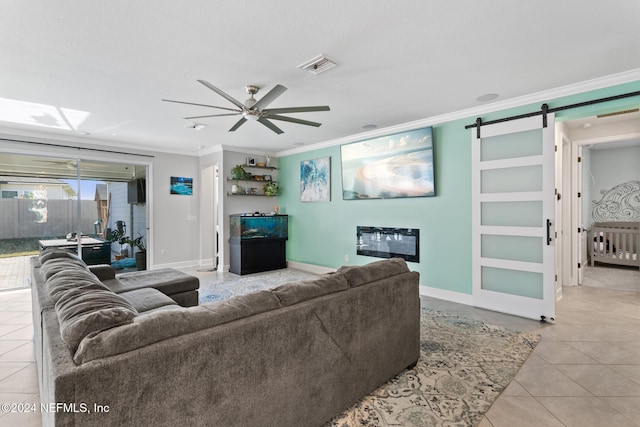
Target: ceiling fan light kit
x,y
255,110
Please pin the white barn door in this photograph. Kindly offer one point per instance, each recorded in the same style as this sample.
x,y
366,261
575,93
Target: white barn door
x,y
513,213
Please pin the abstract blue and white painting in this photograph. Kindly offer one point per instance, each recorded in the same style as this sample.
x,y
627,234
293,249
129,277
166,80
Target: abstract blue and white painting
x,y
399,165
315,180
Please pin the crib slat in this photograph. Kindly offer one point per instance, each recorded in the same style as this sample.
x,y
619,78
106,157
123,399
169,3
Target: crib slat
x,y
623,236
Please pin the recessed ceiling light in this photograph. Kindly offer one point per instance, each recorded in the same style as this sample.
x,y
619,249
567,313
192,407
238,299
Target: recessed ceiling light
x,y
487,97
299,144
196,126
369,127
84,133
586,125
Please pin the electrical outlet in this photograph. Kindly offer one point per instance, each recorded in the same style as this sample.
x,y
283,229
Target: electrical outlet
x,y
346,257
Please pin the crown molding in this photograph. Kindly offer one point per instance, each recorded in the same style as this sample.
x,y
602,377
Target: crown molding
x,y
83,142
542,96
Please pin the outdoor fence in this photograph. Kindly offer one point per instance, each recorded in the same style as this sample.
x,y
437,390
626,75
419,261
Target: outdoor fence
x,y
25,218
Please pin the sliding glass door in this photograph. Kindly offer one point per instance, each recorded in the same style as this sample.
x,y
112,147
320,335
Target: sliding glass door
x,y
70,203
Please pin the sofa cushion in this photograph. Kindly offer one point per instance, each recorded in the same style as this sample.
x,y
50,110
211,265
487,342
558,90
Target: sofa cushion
x,y
149,328
82,311
359,275
55,265
103,271
167,280
53,253
67,280
147,299
295,292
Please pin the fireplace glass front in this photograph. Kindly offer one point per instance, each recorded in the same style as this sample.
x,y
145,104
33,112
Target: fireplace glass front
x,y
389,242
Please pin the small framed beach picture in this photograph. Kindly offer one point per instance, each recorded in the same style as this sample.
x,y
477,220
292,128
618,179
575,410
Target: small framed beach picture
x,y
182,186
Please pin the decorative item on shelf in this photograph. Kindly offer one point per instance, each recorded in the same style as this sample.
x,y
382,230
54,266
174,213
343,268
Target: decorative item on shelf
x,y
267,161
254,190
238,172
235,189
251,161
270,189
276,209
267,177
261,164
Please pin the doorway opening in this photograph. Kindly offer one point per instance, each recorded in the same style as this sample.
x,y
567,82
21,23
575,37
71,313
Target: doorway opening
x,y
604,153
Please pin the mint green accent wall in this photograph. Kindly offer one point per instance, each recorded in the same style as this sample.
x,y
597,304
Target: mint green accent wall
x,y
323,233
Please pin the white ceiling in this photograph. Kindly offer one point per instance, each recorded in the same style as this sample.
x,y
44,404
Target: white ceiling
x,y
101,67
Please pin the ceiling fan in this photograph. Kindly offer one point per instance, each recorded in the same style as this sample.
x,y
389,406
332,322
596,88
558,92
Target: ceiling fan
x,y
254,109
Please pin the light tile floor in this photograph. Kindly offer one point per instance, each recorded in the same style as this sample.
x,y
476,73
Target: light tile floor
x,y
585,371
14,271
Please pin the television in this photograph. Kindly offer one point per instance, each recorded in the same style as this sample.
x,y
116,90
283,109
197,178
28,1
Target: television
x,y
392,166
136,191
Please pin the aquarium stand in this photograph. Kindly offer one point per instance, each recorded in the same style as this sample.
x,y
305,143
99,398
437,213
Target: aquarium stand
x,y
257,243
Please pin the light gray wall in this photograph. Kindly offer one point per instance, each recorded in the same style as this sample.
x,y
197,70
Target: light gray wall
x,y
176,229
609,168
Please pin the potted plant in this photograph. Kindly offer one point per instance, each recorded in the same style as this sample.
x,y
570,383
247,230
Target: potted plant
x,y
238,172
141,255
270,189
118,235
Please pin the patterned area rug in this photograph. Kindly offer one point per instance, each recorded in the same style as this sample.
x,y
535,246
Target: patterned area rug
x,y
464,365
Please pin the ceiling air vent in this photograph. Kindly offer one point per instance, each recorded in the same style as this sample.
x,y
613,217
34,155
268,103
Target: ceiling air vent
x,y
195,125
617,113
318,65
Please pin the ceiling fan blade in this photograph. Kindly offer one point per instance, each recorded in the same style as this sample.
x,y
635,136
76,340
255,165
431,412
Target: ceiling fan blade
x,y
293,120
210,115
270,125
297,109
222,94
269,97
199,105
238,124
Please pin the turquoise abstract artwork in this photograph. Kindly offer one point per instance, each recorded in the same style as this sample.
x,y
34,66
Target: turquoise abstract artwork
x,y
315,180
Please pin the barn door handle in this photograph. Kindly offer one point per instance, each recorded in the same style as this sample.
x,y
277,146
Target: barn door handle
x,y
549,225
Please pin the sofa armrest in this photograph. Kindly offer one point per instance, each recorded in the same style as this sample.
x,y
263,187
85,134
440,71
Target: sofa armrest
x,y
103,271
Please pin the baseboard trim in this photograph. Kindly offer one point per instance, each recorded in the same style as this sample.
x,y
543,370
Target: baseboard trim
x,y
177,265
310,268
443,294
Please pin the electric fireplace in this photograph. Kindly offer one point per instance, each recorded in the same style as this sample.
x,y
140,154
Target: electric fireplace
x,y
389,242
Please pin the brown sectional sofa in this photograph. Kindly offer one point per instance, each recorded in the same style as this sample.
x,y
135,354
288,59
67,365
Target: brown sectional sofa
x,y
296,355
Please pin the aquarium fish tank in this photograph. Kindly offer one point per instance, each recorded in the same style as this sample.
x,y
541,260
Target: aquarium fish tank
x,y
258,226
